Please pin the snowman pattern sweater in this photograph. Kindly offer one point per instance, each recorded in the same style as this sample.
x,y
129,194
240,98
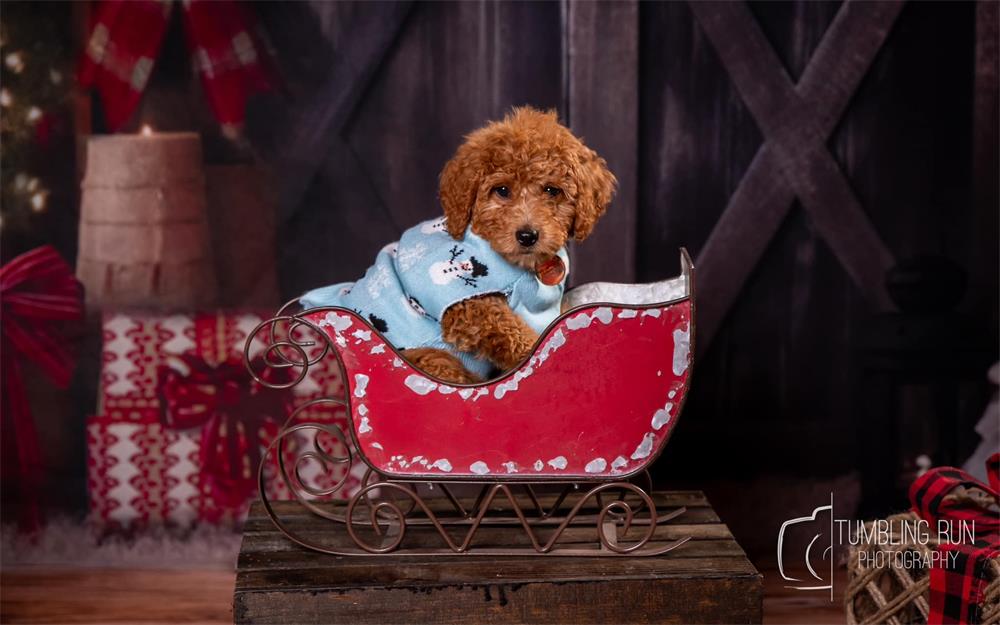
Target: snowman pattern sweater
x,y
415,280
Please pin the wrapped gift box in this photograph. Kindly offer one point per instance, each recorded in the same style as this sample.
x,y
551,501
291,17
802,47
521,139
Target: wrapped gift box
x,y
146,462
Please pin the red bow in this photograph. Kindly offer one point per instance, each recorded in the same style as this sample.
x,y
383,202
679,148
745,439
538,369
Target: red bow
x,y
224,48
237,417
38,293
956,587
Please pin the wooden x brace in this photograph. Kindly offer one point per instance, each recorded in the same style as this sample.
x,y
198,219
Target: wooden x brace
x,y
796,120
315,129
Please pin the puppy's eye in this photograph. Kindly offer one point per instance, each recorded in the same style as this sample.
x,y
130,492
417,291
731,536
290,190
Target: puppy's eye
x,y
552,191
502,191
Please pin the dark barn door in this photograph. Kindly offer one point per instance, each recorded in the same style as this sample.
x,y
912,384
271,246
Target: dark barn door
x,y
796,148
386,91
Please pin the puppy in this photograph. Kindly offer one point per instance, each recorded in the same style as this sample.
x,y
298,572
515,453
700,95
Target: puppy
x,y
479,285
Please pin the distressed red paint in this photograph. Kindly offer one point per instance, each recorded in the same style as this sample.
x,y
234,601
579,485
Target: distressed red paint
x,y
602,391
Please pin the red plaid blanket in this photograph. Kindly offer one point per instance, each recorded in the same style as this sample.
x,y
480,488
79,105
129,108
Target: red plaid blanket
x,y
956,587
221,38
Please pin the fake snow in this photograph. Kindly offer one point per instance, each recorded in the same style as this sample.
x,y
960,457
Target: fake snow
x,y
479,468
338,322
618,463
604,315
558,463
465,393
444,389
596,465
578,322
628,313
397,363
671,394
362,335
365,427
378,349
682,345
538,465
378,446
662,416
651,312
419,384
510,466
362,410
442,464
645,447
360,384
511,385
557,340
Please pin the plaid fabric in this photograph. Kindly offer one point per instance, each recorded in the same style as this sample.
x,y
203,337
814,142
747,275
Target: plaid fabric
x,y
956,587
225,52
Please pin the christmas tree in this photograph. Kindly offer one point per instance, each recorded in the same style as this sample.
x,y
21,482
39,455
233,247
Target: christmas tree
x,y
34,89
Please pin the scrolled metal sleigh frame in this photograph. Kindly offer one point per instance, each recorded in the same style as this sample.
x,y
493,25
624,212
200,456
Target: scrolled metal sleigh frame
x,y
377,517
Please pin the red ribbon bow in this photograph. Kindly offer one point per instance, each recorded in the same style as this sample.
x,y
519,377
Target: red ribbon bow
x,y
221,38
237,417
956,587
38,294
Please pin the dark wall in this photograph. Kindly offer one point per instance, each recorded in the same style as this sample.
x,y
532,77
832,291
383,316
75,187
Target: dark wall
x,y
450,67
777,389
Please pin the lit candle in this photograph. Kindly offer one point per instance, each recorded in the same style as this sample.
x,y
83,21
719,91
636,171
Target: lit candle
x,y
147,131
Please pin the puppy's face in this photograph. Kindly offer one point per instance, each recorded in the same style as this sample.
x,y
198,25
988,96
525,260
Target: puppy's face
x,y
526,185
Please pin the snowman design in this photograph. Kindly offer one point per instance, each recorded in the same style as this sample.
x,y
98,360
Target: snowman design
x,y
468,271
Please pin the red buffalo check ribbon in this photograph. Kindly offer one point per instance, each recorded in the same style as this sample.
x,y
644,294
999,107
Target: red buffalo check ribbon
x,y
221,39
956,587
236,415
38,295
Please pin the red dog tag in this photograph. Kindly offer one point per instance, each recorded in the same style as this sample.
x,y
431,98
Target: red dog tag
x,y
551,271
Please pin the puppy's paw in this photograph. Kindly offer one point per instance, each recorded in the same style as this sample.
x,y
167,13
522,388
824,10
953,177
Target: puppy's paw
x,y
513,348
440,364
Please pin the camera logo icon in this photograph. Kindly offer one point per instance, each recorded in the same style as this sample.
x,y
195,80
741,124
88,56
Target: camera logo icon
x,y
817,524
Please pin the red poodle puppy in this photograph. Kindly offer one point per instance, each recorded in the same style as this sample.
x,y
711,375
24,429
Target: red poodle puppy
x,y
480,284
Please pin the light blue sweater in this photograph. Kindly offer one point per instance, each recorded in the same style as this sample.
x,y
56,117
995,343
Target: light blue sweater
x,y
414,281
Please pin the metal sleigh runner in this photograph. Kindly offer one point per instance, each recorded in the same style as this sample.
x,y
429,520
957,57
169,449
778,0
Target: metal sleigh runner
x,y
582,419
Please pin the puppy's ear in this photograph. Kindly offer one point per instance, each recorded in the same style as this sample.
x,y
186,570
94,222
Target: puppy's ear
x,y
458,185
595,188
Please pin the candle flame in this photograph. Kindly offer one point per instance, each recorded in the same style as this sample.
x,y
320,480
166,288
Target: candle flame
x,y
146,130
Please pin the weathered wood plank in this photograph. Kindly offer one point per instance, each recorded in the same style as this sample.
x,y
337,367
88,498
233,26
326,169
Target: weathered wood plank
x,y
796,121
733,249
323,116
452,67
707,579
601,40
986,162
711,600
269,543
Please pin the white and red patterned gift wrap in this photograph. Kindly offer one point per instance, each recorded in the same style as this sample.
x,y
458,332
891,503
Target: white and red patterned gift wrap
x,y
181,426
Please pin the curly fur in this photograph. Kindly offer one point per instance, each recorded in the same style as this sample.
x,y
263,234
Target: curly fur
x,y
487,327
529,153
440,364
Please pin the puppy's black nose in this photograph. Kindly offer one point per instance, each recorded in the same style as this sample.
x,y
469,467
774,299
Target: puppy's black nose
x,y
526,237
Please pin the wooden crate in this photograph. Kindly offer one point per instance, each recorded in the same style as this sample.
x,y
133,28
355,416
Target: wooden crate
x,y
706,580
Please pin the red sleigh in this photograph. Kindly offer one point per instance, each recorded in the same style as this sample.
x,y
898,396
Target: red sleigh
x,y
587,412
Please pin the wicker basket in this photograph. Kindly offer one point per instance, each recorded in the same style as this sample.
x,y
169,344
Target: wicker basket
x,y
898,595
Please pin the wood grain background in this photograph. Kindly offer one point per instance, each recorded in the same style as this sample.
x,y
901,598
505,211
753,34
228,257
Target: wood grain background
x,y
377,96
776,386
